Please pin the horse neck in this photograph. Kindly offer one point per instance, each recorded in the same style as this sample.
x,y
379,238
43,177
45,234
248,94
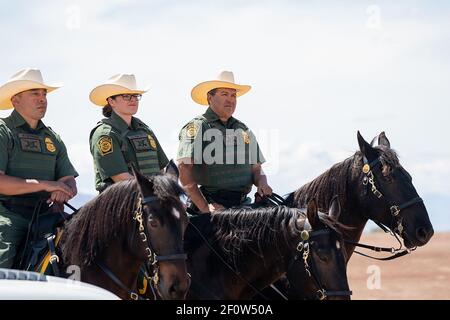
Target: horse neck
x,y
352,211
271,269
124,265
267,264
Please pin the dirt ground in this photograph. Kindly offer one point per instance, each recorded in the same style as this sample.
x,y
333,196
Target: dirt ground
x,y
423,274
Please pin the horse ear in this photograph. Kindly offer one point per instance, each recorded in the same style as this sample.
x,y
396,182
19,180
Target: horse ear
x,y
383,140
366,148
172,169
375,139
144,184
335,208
313,215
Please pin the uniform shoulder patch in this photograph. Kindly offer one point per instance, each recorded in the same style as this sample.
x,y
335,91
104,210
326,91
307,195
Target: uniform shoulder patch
x,y
152,142
49,145
105,145
246,137
191,130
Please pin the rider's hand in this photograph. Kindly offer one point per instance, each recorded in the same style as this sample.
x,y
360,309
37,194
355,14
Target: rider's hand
x,y
215,207
264,189
51,186
58,197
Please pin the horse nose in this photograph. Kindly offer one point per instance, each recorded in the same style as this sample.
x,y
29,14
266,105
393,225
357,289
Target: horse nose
x,y
424,234
177,290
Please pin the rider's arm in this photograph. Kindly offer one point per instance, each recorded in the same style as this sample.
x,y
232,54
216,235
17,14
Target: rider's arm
x,y
108,158
70,181
185,166
12,186
258,174
122,176
260,180
61,197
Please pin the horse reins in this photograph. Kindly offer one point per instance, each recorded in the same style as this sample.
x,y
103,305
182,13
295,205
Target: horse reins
x,y
395,212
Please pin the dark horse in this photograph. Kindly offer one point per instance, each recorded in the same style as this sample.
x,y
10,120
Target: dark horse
x,y
371,185
132,223
251,248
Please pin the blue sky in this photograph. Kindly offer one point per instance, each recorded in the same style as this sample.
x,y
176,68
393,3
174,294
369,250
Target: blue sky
x,y
320,71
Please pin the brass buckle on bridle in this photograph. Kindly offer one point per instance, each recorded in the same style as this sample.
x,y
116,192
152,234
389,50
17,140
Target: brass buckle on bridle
x,y
134,296
395,210
321,295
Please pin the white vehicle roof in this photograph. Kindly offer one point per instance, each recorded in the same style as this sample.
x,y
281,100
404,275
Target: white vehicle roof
x,y
26,285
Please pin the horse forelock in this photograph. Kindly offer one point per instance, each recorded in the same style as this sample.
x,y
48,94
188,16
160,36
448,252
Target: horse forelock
x,y
388,156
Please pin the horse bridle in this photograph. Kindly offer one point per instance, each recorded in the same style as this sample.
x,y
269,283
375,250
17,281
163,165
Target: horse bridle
x,y
394,208
303,247
395,213
152,258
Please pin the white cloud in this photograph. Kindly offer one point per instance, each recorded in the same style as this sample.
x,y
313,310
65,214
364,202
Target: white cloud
x,y
432,175
318,73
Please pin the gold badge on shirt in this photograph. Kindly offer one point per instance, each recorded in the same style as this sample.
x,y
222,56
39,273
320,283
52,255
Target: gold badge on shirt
x,y
49,145
246,137
191,130
105,146
152,142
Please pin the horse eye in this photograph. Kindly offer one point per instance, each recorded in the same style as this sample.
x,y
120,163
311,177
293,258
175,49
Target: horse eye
x,y
153,223
322,255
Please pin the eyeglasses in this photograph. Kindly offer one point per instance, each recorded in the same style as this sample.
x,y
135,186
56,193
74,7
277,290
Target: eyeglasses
x,y
127,97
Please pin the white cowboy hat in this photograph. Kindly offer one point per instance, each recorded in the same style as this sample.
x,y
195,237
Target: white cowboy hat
x,y
224,80
117,84
25,79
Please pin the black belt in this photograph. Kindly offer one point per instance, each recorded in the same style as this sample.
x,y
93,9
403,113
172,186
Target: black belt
x,y
226,198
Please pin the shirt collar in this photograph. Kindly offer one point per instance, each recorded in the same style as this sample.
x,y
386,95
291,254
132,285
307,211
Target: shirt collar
x,y
123,126
211,116
18,121
119,122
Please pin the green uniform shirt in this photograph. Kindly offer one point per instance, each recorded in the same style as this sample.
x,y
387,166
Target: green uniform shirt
x,y
115,146
32,153
224,164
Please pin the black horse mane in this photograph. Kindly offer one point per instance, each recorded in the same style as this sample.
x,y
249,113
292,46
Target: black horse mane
x,y
334,181
109,216
238,230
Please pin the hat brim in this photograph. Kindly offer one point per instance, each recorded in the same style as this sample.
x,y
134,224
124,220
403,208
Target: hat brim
x,y
10,89
199,92
99,94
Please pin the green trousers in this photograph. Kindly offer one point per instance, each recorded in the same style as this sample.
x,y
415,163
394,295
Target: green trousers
x,y
13,229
